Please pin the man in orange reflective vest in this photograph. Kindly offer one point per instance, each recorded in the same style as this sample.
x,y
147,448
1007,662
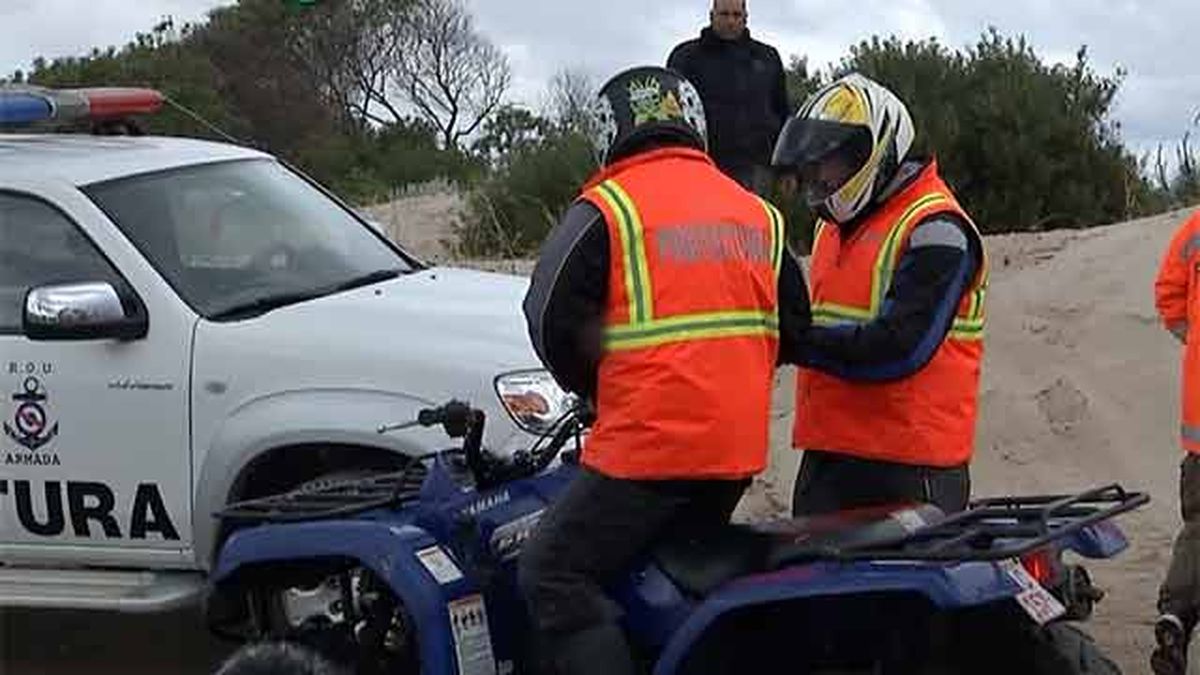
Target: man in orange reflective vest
x,y
1176,294
887,390
661,296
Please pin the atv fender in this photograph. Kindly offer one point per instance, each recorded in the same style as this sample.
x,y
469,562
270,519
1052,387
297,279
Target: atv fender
x,y
391,551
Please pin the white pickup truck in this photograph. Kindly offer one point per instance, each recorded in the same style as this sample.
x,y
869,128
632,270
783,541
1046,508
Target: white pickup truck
x,y
186,323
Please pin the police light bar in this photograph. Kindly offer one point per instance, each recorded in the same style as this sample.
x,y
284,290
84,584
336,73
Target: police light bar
x,y
28,105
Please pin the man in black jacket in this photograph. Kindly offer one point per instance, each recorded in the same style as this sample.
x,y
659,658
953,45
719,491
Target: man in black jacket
x,y
742,84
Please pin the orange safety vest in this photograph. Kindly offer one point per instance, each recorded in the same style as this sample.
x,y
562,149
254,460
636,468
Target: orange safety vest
x,y
927,418
1177,296
691,326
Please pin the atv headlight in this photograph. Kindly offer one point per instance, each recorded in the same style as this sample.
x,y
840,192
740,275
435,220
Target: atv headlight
x,y
534,399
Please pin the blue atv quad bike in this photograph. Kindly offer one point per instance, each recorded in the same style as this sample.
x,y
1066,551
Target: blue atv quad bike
x,y
413,571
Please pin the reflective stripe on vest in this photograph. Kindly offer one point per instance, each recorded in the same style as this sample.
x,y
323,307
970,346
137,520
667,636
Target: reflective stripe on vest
x,y
633,251
968,327
777,235
645,329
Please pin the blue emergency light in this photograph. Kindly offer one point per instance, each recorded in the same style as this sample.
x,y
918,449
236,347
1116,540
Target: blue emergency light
x,y
19,107
22,104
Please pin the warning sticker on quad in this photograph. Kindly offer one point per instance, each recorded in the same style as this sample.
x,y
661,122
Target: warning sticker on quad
x,y
439,565
472,640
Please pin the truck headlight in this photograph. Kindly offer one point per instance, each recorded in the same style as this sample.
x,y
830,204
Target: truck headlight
x,y
533,399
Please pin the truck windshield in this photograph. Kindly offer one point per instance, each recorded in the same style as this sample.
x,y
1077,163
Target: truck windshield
x,y
236,239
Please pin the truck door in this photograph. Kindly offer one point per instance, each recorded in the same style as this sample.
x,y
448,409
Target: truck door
x,y
94,436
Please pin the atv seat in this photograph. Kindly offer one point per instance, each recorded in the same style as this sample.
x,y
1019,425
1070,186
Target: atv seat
x,y
700,564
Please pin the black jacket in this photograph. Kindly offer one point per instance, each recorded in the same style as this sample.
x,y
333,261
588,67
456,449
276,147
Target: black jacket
x,y
918,310
744,91
565,305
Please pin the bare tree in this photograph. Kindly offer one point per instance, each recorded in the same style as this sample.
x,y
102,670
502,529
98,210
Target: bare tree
x,y
452,76
570,94
1161,174
1188,178
256,72
347,48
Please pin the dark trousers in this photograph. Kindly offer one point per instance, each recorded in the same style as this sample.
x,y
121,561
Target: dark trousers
x,y
830,482
592,534
1180,591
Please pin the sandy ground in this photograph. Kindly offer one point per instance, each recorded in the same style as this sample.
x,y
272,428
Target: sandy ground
x,y
424,224
1080,389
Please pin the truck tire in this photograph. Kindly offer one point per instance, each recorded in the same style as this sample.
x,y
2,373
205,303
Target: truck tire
x,y
333,478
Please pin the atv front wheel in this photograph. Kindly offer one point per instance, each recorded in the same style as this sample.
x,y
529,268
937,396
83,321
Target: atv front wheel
x,y
276,658
347,615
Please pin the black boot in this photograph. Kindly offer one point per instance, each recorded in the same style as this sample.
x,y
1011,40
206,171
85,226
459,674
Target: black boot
x,y
1170,653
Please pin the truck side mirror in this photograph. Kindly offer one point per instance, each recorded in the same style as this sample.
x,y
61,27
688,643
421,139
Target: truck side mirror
x,y
82,311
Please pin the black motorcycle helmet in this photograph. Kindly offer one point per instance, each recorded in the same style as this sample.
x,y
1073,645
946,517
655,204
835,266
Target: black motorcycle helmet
x,y
644,107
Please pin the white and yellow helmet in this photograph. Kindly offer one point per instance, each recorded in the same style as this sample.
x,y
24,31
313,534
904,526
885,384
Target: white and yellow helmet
x,y
846,142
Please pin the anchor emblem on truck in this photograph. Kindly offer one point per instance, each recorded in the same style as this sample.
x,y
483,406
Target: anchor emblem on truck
x,y
31,423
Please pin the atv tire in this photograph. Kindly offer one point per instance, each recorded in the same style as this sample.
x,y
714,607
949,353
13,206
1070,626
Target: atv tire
x,y
276,658
1063,649
1055,649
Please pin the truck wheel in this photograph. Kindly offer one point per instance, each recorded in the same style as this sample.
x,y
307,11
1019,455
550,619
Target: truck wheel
x,y
333,478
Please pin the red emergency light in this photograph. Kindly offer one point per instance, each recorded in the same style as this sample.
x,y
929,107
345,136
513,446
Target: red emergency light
x,y
23,104
109,102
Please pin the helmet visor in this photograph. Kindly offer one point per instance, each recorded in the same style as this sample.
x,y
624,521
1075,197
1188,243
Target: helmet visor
x,y
825,154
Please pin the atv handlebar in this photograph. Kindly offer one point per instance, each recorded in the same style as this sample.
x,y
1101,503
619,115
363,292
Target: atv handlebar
x,y
344,498
455,416
460,420
525,463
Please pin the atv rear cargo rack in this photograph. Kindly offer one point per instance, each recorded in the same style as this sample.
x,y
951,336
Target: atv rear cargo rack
x,y
335,499
989,530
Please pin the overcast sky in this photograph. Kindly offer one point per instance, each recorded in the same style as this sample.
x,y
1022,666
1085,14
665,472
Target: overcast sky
x,y
1151,40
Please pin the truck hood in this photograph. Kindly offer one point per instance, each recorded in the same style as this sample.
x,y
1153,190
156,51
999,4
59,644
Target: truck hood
x,y
428,336
473,318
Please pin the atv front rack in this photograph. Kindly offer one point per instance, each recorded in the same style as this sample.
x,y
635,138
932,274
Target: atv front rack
x,y
989,530
331,499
